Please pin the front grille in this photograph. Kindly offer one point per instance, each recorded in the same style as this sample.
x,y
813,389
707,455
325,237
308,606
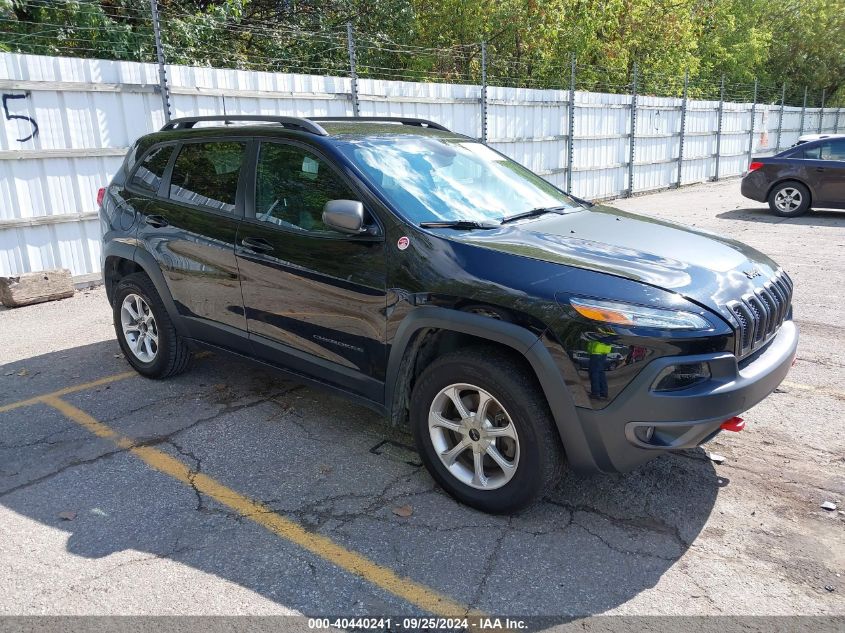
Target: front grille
x,y
761,314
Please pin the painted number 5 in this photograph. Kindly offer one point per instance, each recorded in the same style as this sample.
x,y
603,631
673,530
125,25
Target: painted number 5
x,y
22,117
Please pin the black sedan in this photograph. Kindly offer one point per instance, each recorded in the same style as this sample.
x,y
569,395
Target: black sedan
x,y
805,175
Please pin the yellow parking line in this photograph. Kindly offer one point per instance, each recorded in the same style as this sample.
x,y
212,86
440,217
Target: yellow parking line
x,y
413,592
63,392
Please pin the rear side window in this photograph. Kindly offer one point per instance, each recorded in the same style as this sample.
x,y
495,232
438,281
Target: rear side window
x,y
206,174
812,152
833,150
147,176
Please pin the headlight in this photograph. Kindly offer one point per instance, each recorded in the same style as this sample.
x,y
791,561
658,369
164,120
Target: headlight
x,y
641,316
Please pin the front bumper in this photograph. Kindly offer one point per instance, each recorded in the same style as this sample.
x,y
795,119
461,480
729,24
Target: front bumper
x,y
685,418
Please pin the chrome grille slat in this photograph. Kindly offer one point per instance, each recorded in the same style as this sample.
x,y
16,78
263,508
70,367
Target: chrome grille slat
x,y
759,318
787,295
772,310
760,315
780,297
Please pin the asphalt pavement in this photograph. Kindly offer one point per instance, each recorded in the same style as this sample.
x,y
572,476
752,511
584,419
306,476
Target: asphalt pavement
x,y
231,491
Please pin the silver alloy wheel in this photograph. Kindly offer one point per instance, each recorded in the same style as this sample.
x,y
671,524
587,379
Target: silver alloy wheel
x,y
139,328
474,436
788,199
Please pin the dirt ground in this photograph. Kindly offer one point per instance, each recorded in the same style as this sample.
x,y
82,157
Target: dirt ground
x,y
108,502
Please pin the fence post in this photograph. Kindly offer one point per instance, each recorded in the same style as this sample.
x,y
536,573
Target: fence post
x,y
484,92
836,123
780,118
633,132
162,72
683,128
570,135
719,127
353,73
751,130
821,114
803,110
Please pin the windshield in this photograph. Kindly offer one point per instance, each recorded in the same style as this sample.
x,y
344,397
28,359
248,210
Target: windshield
x,y
431,179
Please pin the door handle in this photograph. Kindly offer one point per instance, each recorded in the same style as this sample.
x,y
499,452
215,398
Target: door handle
x,y
257,244
819,168
156,221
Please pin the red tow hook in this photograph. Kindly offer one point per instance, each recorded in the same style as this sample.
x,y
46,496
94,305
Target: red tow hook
x,y
735,424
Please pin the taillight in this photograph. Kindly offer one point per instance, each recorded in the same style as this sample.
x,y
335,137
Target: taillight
x,y
101,193
754,166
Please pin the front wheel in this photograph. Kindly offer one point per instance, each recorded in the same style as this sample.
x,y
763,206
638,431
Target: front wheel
x,y
789,199
484,430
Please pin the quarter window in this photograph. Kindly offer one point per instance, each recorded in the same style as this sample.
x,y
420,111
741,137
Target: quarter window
x,y
147,176
292,187
206,174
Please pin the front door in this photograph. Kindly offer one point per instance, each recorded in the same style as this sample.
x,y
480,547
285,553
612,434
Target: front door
x,y
191,229
314,297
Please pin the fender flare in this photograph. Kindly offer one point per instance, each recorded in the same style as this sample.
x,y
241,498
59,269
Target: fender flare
x,y
150,266
522,341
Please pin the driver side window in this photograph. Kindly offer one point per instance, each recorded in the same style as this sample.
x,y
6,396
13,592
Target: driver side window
x,y
292,187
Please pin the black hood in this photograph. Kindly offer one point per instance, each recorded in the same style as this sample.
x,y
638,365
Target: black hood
x,y
703,267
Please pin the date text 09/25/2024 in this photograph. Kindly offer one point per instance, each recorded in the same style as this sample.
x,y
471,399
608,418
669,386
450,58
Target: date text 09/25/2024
x,y
418,623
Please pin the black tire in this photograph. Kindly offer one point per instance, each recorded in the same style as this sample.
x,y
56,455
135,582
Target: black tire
x,y
173,355
801,190
512,383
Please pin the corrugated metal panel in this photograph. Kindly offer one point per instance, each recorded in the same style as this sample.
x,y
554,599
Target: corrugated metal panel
x,y
89,112
531,127
601,144
700,141
791,126
31,189
657,143
456,106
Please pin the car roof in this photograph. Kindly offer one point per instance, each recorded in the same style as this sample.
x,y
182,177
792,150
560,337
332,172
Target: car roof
x,y
807,138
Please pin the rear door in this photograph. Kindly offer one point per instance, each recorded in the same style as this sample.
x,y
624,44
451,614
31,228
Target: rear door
x,y
314,297
830,174
798,165
190,229
141,191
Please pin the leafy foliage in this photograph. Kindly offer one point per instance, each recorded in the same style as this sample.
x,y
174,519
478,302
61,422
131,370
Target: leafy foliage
x,y
530,42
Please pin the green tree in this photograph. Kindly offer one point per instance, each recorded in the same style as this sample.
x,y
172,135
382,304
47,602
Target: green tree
x,y
530,42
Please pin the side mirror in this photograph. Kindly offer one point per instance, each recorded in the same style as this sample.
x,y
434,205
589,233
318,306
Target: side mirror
x,y
346,216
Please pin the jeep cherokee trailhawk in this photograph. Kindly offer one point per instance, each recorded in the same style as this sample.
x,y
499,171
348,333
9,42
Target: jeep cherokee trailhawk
x,y
513,327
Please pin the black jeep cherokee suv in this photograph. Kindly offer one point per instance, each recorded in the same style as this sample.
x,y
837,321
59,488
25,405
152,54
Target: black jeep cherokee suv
x,y
421,273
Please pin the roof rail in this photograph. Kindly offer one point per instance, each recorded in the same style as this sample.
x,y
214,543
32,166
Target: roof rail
x,y
383,119
294,122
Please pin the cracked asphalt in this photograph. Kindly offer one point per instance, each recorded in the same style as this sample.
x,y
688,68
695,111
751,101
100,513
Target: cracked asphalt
x,y
89,527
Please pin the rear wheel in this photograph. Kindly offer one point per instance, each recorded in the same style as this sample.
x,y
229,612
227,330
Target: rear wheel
x,y
484,430
789,199
144,330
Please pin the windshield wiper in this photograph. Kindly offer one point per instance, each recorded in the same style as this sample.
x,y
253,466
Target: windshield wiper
x,y
533,213
458,224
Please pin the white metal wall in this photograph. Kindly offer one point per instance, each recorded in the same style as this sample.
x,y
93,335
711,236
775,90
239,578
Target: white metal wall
x,y
88,112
